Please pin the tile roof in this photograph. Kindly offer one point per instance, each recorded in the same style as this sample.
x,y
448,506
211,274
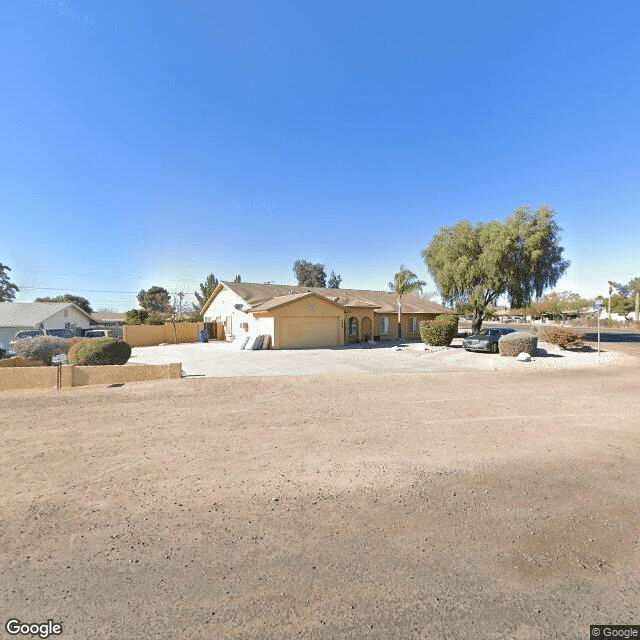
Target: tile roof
x,y
257,295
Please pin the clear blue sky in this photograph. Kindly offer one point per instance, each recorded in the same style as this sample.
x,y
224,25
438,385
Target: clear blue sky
x,y
147,143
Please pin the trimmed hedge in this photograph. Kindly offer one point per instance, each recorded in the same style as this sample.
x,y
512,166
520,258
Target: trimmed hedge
x,y
563,337
440,331
42,348
95,351
515,343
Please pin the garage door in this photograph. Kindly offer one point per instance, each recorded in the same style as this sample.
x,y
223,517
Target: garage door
x,y
298,332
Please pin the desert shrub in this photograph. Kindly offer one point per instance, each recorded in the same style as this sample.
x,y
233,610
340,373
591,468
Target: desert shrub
x,y
42,348
564,337
95,351
514,343
440,331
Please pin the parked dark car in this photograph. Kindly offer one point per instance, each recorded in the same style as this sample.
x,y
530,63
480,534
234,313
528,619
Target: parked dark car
x,y
486,340
36,333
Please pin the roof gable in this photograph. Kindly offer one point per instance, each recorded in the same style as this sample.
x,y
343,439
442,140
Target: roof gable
x,y
29,314
255,295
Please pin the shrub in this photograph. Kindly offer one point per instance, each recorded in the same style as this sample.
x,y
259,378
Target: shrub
x,y
562,336
440,331
42,348
135,316
514,343
95,351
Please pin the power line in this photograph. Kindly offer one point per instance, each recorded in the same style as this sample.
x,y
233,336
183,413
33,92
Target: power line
x,y
74,290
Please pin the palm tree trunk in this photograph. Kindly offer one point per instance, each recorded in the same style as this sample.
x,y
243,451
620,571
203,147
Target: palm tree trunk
x,y
399,317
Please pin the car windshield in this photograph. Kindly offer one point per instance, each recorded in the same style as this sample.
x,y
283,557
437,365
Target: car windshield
x,y
60,333
28,334
488,332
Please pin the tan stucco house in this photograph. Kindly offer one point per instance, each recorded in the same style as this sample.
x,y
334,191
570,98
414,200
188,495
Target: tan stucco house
x,y
302,317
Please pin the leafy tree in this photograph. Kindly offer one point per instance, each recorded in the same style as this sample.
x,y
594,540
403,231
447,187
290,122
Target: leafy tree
x,y
310,275
135,316
634,286
334,281
237,278
8,290
206,289
79,301
623,289
519,258
155,300
405,281
621,304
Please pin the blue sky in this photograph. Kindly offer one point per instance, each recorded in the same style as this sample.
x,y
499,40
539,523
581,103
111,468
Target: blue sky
x,y
153,143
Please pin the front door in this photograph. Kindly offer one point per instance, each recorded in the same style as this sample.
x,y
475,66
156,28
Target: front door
x,y
366,329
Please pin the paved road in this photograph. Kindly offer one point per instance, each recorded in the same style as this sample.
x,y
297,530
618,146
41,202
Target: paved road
x,y
625,340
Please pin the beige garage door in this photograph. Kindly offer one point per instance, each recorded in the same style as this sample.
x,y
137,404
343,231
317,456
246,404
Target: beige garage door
x,y
299,332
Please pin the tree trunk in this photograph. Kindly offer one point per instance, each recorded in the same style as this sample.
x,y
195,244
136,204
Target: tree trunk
x,y
399,319
477,321
638,306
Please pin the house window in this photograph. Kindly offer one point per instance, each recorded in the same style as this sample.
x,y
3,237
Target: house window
x,y
66,313
413,324
384,325
353,326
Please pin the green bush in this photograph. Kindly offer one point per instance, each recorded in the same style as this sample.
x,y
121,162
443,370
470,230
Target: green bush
x,y
514,343
440,331
563,337
95,351
42,348
135,316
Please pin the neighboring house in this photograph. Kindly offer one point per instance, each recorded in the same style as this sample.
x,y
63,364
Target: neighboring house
x,y
110,320
301,317
21,316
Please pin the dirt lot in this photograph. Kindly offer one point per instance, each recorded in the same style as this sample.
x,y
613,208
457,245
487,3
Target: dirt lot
x,y
461,505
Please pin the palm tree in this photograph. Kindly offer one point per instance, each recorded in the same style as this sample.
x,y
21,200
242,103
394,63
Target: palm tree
x,y
405,281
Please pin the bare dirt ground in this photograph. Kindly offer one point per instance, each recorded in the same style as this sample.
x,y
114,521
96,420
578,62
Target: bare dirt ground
x,y
462,505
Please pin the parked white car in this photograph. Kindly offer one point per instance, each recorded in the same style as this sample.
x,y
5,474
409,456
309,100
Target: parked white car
x,y
97,333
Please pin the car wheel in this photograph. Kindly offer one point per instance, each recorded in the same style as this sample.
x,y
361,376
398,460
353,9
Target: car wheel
x,y
494,347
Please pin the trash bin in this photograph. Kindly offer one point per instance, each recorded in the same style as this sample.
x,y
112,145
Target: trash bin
x,y
204,335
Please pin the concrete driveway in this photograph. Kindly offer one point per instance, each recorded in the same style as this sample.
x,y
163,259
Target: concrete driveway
x,y
222,359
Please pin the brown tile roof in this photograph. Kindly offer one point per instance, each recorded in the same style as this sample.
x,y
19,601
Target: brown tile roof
x,y
279,301
257,295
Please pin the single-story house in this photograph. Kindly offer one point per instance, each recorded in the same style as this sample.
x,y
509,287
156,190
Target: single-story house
x,y
110,320
300,317
22,316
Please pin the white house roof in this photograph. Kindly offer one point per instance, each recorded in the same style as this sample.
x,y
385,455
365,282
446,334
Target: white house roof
x,y
29,314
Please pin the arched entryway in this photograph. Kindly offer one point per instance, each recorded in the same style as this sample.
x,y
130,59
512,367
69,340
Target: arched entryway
x,y
353,330
366,329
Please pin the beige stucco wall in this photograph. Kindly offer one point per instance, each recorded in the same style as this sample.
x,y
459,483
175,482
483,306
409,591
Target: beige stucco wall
x,y
405,321
72,376
307,323
147,335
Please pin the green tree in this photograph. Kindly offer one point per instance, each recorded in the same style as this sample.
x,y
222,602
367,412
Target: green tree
x,y
309,274
334,281
404,282
206,289
621,304
623,289
156,301
634,286
8,290
79,301
519,258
